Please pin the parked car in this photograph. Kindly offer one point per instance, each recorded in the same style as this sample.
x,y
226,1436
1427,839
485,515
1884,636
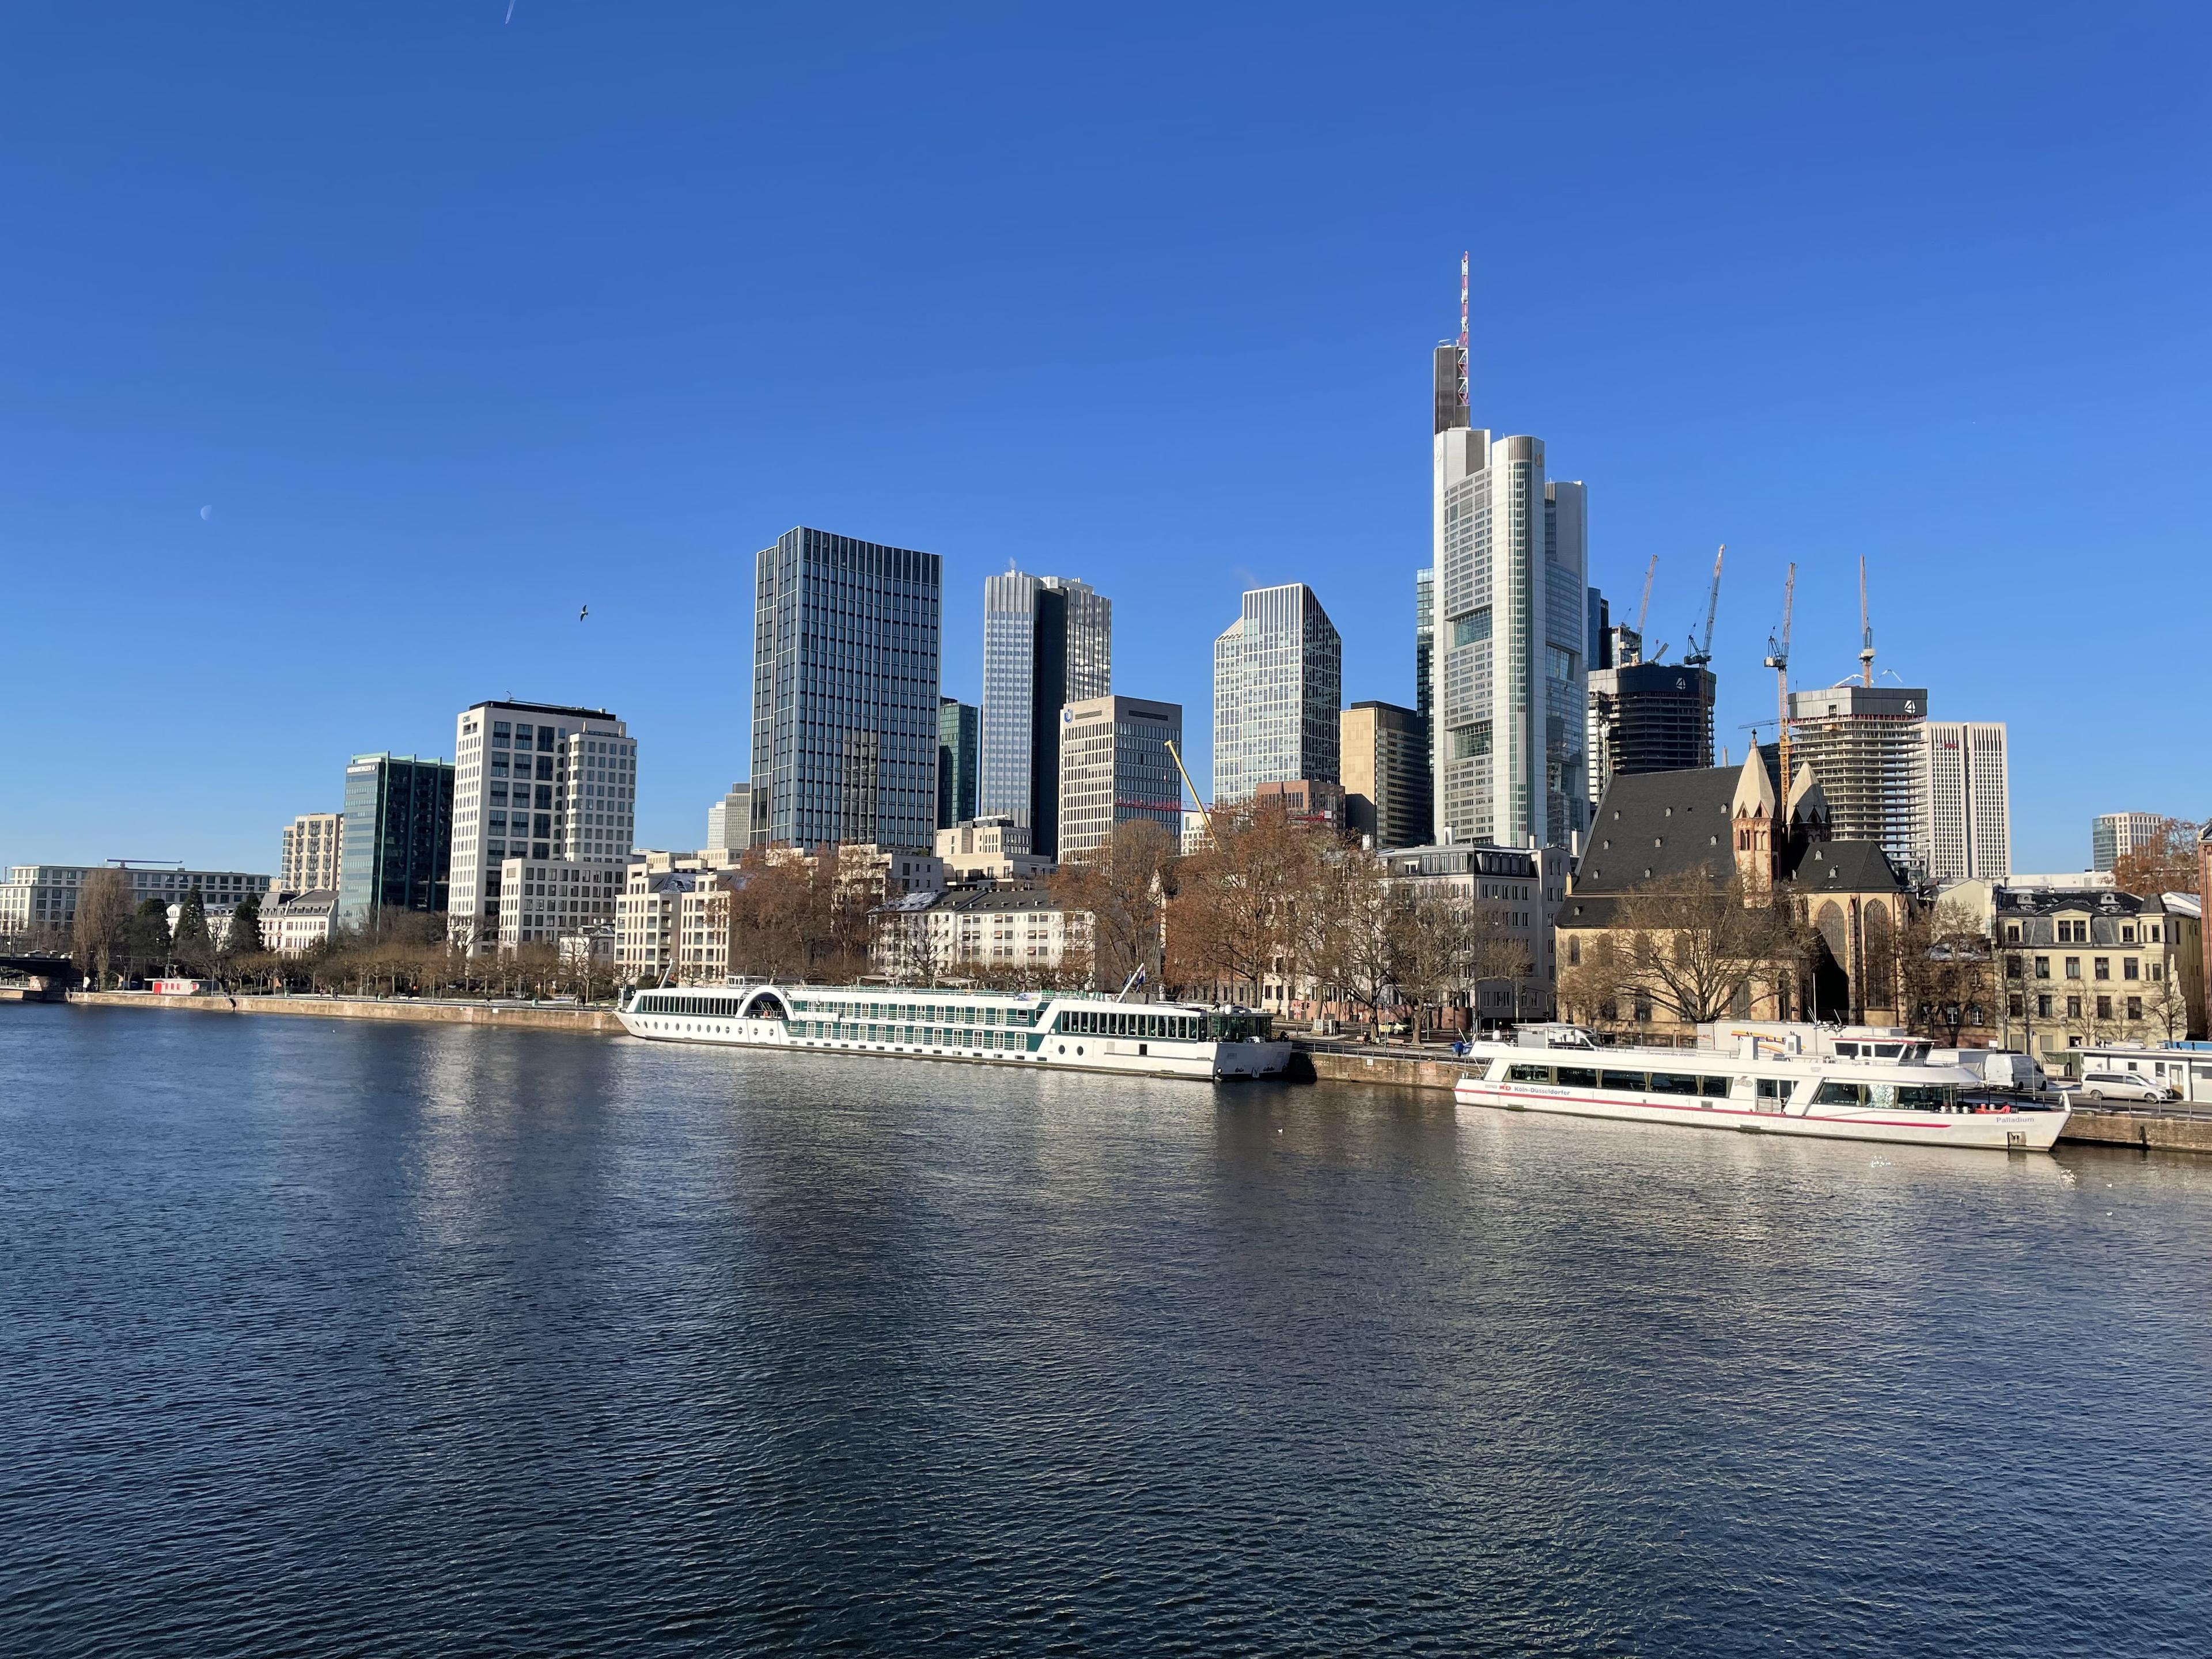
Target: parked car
x,y
2123,1086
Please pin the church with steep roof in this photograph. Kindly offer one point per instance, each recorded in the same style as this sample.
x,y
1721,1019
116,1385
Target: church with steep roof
x,y
1669,830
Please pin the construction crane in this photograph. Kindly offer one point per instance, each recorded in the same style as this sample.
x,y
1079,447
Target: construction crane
x,y
1642,609
1700,653
1778,659
1866,630
1204,816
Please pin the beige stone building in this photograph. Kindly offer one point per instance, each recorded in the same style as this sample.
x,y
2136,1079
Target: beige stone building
x,y
1724,823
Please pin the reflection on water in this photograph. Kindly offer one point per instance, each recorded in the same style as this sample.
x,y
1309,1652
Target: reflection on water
x,y
328,1338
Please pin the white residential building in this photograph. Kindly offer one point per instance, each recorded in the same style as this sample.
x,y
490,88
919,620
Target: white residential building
x,y
1115,767
994,848
44,894
539,783
998,932
645,931
311,845
299,923
2113,836
1278,694
1968,828
542,900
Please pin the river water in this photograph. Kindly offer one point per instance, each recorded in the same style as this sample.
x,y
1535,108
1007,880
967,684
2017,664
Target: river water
x,y
324,1337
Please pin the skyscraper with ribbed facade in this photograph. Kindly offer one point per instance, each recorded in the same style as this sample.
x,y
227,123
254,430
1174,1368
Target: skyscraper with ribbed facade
x,y
845,701
1048,641
1278,694
1509,712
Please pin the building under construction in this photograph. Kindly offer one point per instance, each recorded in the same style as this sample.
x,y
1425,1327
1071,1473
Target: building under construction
x,y
1866,745
1646,716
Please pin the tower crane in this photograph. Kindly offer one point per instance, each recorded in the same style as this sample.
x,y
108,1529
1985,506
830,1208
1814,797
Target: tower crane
x,y
1866,630
1778,659
1644,609
1700,653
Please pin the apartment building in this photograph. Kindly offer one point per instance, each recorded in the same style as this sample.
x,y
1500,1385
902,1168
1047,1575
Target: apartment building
x,y
310,857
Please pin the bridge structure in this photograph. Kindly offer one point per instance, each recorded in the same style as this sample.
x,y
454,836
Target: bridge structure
x,y
45,972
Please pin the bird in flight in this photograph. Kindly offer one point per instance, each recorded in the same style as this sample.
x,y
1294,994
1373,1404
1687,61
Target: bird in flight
x,y
585,612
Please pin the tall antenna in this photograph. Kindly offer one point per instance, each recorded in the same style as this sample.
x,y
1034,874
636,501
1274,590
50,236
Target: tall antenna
x,y
1462,330
1866,630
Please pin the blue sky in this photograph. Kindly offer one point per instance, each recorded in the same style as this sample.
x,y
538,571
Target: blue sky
x,y
455,325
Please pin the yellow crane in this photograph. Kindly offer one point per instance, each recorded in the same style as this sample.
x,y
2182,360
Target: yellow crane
x,y
1778,659
1204,816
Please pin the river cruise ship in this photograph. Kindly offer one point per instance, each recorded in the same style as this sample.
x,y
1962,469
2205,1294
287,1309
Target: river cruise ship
x,y
1884,1091
1057,1029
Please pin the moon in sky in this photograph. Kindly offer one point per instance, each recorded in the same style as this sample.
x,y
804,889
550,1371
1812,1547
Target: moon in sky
x,y
207,513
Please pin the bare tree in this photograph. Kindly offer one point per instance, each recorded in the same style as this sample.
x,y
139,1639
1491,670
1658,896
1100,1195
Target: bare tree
x,y
1240,916
1692,944
103,908
1363,930
1948,969
1122,885
2166,1003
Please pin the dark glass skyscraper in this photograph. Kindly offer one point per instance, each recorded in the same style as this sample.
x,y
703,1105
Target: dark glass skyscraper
x,y
959,745
1048,641
397,844
845,720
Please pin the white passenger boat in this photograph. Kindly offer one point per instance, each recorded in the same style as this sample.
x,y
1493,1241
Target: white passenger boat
x,y
1882,1092
1052,1029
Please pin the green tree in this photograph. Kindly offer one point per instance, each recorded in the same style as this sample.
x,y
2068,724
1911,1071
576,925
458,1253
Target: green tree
x,y
146,943
194,948
244,936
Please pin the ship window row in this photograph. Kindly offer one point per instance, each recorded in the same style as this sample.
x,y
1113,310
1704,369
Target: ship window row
x,y
1100,1022
1641,1083
920,1037
933,1013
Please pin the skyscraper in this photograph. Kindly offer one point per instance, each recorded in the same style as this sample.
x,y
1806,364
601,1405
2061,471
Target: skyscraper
x,y
2113,836
959,761
1386,775
1425,690
397,840
536,781
1048,641
1866,747
1508,719
1114,768
845,665
730,820
1969,823
1278,694
1647,717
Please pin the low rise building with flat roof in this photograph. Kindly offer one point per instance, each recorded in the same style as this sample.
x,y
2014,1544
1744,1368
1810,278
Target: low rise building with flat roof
x,y
37,896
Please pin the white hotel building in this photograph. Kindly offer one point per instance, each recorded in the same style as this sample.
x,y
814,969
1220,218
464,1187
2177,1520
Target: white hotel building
x,y
555,788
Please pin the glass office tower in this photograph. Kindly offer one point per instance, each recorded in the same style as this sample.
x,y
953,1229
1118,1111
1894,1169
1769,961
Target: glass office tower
x,y
397,840
1048,641
845,701
1278,694
959,759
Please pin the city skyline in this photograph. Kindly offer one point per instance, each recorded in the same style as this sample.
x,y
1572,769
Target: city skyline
x,y
356,381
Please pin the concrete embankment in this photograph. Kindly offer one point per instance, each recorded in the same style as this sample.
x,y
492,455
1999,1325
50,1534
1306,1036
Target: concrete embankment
x,y
2149,1131
426,1012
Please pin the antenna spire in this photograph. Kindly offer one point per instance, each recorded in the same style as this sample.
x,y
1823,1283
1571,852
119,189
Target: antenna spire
x,y
1462,330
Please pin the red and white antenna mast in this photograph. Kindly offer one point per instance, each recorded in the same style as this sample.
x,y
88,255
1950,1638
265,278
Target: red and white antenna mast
x,y
1462,330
